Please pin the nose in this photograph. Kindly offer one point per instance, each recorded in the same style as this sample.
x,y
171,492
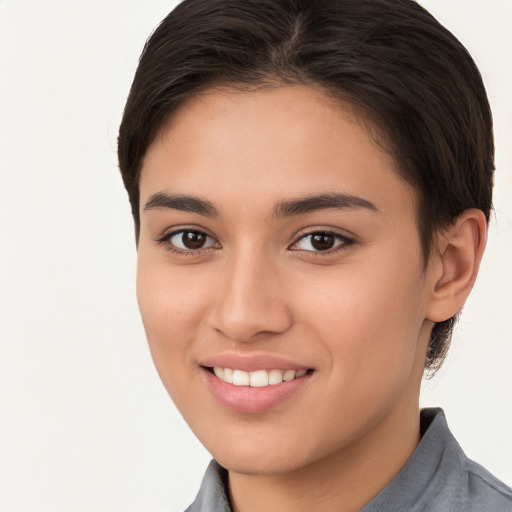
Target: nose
x,y
250,301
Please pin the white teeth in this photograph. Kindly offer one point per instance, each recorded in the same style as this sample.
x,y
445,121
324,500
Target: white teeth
x,y
258,378
289,375
275,377
241,378
228,375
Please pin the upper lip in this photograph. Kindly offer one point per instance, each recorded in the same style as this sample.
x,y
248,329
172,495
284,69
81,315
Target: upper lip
x,y
253,362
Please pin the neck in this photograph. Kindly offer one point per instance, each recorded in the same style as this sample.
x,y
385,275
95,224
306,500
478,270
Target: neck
x,y
350,477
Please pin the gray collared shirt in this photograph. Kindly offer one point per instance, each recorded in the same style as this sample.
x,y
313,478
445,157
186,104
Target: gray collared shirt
x,y
437,478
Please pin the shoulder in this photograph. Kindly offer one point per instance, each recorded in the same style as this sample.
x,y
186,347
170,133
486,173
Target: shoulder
x,y
485,491
439,477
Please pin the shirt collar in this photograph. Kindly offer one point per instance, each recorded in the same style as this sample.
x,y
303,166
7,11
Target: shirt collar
x,y
213,494
433,476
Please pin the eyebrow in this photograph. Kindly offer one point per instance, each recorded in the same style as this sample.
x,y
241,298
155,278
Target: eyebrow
x,y
161,200
300,206
321,202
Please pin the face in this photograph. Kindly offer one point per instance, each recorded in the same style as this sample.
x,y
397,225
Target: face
x,y
280,278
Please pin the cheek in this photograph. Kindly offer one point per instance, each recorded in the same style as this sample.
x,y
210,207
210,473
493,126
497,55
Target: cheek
x,y
171,307
369,331
169,297
370,339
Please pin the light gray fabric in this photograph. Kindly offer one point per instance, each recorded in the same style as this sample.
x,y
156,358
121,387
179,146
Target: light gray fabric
x,y
437,478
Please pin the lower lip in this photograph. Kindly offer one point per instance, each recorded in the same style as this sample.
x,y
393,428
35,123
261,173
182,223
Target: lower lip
x,y
253,400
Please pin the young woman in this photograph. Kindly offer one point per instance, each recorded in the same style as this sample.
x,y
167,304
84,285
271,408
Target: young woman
x,y
311,183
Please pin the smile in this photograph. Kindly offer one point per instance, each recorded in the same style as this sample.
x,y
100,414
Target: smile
x,y
257,378
257,388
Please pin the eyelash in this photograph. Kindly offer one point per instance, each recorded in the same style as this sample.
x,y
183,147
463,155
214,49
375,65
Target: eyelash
x,y
166,240
344,243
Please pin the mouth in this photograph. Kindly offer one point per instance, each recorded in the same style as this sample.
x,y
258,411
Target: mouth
x,y
256,391
258,378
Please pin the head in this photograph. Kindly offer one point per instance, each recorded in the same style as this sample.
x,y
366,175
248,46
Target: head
x,y
407,78
310,183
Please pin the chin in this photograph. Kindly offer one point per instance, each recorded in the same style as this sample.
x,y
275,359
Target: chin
x,y
256,466
255,459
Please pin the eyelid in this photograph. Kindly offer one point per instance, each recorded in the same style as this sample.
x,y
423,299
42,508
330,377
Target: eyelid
x,y
172,230
346,241
165,239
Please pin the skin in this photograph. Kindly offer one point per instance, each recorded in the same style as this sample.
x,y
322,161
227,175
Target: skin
x,y
358,315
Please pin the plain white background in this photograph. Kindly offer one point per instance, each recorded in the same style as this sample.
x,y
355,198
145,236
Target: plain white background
x,y
85,424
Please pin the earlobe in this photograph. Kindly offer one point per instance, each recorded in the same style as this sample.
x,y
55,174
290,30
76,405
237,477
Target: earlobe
x,y
460,249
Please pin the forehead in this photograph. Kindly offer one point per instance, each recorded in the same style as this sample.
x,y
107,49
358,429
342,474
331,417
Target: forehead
x,y
254,146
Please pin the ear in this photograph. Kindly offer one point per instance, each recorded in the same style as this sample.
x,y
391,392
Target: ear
x,y
455,264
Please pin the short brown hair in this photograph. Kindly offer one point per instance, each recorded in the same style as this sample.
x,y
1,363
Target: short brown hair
x,y
400,68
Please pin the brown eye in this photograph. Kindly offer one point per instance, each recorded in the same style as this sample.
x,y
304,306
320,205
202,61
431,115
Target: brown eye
x,y
189,240
193,240
321,241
